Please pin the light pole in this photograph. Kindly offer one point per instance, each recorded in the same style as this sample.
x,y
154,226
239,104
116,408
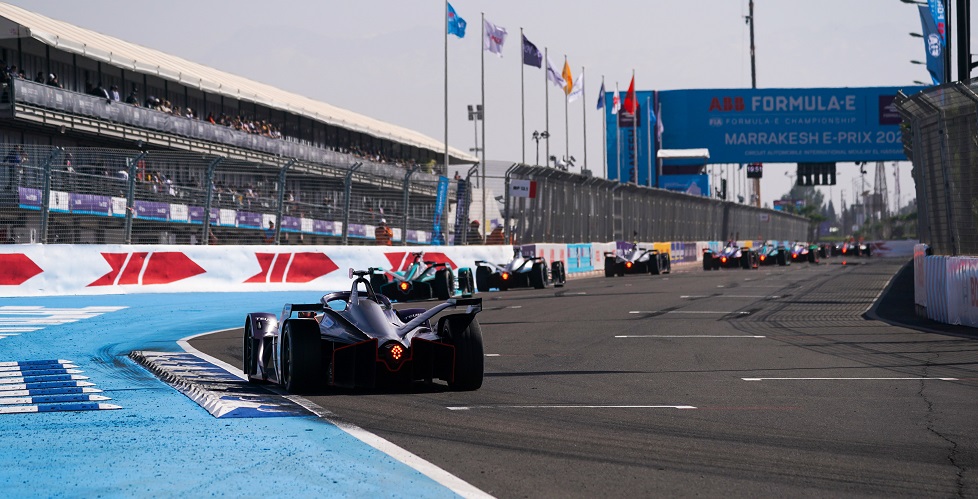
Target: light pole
x,y
536,138
475,116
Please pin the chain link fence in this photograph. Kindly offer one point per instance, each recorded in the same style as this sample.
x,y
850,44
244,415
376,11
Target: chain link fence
x,y
116,196
559,207
941,138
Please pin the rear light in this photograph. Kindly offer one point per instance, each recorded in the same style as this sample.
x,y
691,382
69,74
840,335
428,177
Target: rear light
x,y
763,257
505,276
404,286
393,354
723,259
628,265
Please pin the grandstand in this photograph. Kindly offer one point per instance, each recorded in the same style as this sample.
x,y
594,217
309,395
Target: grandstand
x,y
83,92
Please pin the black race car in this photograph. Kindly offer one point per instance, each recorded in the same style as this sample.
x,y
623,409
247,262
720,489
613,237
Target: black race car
x,y
520,272
423,280
356,339
731,256
635,260
773,254
804,252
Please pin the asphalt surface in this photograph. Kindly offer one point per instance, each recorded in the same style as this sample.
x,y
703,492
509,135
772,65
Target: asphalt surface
x,y
779,382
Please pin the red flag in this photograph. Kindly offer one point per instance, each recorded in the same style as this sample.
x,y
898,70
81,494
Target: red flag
x,y
631,104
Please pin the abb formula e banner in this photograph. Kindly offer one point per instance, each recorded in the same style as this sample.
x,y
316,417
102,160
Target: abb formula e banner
x,y
54,269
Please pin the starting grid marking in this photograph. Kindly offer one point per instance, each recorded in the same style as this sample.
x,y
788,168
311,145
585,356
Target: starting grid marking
x,y
47,386
15,320
567,406
221,393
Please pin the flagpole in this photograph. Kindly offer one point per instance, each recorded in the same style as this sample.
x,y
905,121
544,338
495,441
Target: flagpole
x,y
634,134
604,132
566,118
546,100
445,13
584,108
522,102
658,141
618,139
484,221
648,134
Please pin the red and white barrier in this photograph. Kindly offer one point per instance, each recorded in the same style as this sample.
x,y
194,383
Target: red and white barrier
x,y
53,269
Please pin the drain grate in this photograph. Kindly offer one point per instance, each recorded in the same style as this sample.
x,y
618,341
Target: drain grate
x,y
48,386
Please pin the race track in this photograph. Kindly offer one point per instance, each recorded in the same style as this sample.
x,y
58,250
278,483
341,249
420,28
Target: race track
x,y
731,383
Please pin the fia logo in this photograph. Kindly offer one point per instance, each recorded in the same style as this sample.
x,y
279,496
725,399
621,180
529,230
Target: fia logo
x,y
716,122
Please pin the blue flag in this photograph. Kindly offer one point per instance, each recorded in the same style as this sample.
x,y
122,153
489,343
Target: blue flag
x,y
531,54
937,13
933,46
456,25
601,96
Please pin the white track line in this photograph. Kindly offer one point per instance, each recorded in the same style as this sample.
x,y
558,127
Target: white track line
x,y
686,336
846,379
452,482
684,312
470,407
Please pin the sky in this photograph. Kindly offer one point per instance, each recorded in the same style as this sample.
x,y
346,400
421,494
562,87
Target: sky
x,y
386,59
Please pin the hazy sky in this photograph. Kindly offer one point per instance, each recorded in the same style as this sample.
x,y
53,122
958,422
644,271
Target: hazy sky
x,y
386,58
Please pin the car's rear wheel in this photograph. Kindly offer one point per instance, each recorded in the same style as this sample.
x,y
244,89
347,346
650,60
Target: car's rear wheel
x,y
465,284
301,355
782,258
442,285
248,350
745,259
620,269
469,353
482,278
538,275
654,265
707,261
377,281
558,274
609,266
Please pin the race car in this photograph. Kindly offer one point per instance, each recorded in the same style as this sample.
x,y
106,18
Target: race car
x,y
520,272
356,339
804,252
852,248
423,281
635,260
731,256
773,254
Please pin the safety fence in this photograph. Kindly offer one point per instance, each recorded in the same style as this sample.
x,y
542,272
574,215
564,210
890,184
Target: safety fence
x,y
946,287
550,205
940,125
107,196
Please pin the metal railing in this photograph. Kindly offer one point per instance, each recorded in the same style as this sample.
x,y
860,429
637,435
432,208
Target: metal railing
x,y
941,138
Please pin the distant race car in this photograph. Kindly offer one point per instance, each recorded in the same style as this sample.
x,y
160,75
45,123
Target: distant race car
x,y
731,256
852,248
520,272
423,281
804,252
635,260
356,339
773,254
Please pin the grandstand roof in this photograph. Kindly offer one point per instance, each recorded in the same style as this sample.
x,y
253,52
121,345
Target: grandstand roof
x,y
139,59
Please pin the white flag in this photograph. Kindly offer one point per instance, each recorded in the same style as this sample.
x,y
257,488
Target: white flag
x,y
495,37
553,75
578,90
615,102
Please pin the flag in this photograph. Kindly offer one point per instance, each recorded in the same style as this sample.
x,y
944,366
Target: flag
x,y
553,75
658,121
455,23
600,96
495,37
615,102
932,46
578,89
568,79
631,104
531,54
937,12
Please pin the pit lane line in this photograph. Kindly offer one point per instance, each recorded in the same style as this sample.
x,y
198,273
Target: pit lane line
x,y
438,475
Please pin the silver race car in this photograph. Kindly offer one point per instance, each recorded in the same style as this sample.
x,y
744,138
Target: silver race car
x,y
520,272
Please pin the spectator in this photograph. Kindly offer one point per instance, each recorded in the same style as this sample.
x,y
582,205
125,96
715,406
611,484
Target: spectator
x,y
132,99
473,236
53,81
100,91
270,232
39,78
114,93
496,236
383,233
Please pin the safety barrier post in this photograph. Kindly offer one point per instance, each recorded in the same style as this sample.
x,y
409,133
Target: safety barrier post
x,y
347,192
132,165
281,199
407,200
206,222
46,194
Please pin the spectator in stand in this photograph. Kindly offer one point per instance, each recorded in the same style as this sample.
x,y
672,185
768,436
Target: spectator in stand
x,y
53,81
39,78
270,233
132,99
114,93
100,91
384,234
473,236
496,236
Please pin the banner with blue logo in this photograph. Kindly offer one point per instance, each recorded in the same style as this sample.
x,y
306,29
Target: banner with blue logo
x,y
461,212
441,200
933,45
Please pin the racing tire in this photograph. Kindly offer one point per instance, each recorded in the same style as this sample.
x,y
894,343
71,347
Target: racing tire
x,y
744,259
248,350
707,262
301,355
538,275
442,286
558,274
377,281
782,258
465,284
654,265
483,276
716,264
812,256
620,269
469,354
609,267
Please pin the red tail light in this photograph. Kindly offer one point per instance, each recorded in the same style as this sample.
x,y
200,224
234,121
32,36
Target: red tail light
x,y
393,355
404,286
505,276
763,257
723,259
628,265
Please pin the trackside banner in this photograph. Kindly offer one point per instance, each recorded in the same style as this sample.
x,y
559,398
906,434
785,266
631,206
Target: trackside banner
x,y
53,269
